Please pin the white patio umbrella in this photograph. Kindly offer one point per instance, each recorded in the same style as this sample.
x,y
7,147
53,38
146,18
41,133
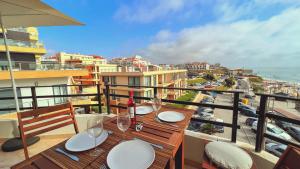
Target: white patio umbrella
x,y
27,13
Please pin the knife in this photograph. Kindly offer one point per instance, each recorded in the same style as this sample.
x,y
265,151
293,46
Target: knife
x,y
71,156
154,145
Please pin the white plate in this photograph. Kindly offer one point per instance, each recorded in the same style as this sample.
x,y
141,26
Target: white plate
x,y
82,141
133,154
141,110
171,116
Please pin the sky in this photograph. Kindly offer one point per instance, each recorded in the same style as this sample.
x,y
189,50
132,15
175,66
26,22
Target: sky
x,y
235,33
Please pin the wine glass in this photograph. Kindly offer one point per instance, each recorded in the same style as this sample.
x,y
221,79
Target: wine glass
x,y
94,130
156,103
123,122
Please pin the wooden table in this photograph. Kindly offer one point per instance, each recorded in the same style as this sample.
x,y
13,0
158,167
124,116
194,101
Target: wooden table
x,y
170,137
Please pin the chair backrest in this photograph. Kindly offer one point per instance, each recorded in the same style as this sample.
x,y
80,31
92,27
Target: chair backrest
x,y
38,121
290,159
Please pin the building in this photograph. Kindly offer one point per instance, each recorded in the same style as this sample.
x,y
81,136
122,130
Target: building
x,y
162,78
197,66
92,63
24,46
74,58
136,61
30,70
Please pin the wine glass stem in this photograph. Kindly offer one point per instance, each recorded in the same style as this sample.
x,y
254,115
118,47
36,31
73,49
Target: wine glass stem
x,y
123,135
95,143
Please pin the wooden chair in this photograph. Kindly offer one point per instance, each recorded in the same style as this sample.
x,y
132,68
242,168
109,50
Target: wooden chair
x,y
38,121
290,159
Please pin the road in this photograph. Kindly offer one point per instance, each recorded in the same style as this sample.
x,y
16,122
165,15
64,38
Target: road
x,y
244,134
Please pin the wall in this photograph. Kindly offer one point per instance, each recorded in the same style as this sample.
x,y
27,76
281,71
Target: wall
x,y
39,91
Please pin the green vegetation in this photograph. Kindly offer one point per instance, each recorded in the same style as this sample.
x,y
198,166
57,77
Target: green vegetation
x,y
222,87
189,96
256,79
257,84
207,128
229,82
209,77
96,109
257,88
195,81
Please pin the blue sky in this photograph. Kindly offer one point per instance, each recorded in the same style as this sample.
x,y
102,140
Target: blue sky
x,y
244,33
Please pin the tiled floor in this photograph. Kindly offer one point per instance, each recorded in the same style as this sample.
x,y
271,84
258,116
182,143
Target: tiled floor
x,y
10,158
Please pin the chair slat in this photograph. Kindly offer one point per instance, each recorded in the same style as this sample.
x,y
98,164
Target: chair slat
x,y
32,134
46,123
45,117
44,110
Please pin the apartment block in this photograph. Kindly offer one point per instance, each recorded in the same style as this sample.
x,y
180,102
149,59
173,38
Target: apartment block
x,y
92,63
24,46
161,78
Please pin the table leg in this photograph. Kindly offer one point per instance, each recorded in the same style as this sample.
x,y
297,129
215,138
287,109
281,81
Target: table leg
x,y
179,157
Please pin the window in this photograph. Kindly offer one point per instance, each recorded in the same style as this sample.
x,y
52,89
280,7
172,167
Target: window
x,y
148,93
136,94
105,79
154,80
280,150
60,90
147,80
134,81
113,92
113,80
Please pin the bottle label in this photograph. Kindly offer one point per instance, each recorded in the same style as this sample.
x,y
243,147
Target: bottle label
x,y
131,112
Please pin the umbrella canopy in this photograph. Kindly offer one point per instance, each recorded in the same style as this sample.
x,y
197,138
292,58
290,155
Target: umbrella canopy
x,y
26,13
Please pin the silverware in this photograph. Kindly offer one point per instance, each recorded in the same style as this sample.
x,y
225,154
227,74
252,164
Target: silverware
x,y
71,156
154,145
162,122
109,132
103,166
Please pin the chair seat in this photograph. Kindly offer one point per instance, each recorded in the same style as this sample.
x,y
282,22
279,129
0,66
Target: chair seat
x,y
16,143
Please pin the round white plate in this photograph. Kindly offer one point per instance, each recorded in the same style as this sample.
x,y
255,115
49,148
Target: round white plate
x,y
142,110
171,116
133,154
82,141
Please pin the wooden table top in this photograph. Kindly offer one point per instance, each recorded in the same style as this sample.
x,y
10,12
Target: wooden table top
x,y
169,137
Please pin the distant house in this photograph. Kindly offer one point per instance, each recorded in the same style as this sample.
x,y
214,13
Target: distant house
x,y
197,66
240,72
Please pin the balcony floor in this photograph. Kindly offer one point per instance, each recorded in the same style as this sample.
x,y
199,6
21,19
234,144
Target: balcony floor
x,y
10,158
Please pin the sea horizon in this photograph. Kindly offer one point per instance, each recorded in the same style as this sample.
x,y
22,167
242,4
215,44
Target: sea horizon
x,y
286,74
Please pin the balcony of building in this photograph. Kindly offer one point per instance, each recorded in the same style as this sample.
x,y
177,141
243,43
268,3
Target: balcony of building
x,y
194,142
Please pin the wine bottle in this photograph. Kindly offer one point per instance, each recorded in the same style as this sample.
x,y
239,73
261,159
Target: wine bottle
x,y
132,109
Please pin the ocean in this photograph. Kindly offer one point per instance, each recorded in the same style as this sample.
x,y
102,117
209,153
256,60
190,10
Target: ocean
x,y
289,74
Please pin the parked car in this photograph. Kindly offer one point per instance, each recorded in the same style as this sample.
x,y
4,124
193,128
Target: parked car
x,y
206,113
219,128
276,149
208,99
273,130
248,112
282,124
249,121
294,132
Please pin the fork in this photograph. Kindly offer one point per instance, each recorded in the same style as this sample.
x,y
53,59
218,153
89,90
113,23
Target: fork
x,y
103,166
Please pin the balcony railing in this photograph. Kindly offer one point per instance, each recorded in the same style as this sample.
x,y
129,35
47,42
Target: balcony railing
x,y
262,112
18,65
11,42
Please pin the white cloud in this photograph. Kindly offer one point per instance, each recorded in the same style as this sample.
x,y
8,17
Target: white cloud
x,y
148,10
273,42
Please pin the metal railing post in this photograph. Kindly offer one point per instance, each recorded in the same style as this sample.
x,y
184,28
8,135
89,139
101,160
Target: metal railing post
x,y
155,91
107,95
34,99
235,117
261,123
99,98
